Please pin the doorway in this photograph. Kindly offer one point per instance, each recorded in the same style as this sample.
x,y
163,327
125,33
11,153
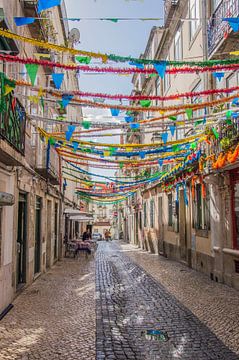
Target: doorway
x,y
49,232
182,227
37,257
21,240
56,231
160,225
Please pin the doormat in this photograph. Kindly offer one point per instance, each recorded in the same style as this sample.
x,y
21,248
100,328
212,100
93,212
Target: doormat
x,y
158,335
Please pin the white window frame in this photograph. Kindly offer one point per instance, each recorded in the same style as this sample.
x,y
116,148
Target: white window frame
x,y
178,45
194,13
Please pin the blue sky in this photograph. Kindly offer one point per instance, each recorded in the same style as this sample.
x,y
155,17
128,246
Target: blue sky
x,y
122,38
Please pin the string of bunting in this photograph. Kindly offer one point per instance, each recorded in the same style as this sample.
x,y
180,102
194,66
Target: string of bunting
x,y
175,96
136,69
105,57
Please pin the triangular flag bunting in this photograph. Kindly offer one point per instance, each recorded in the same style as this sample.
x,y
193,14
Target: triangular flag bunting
x,y
115,112
161,68
233,22
8,89
57,79
66,98
189,113
138,65
218,75
172,129
32,72
145,103
164,137
20,21
129,119
215,133
86,124
47,4
83,59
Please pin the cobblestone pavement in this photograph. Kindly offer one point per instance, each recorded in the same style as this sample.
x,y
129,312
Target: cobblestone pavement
x,y
55,317
129,301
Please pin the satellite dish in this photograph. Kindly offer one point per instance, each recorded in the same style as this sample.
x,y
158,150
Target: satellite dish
x,y
74,36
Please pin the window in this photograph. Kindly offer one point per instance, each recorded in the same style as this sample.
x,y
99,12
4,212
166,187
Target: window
x,y
215,4
145,214
170,210
201,209
151,213
178,50
140,220
194,15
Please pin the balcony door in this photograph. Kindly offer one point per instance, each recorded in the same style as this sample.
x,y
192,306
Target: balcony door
x,y
21,240
37,258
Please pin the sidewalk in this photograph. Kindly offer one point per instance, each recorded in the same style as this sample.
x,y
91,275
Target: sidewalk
x,y
55,317
216,305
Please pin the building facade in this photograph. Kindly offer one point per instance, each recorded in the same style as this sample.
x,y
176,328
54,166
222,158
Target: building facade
x,y
196,221
33,196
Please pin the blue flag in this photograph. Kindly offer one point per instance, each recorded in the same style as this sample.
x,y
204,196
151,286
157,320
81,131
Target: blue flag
x,y
66,98
134,126
172,128
129,119
47,4
115,112
57,79
218,75
233,22
142,154
138,65
160,162
20,21
164,137
161,68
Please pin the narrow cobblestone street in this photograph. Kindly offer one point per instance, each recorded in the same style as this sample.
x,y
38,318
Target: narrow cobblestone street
x,y
135,292
55,317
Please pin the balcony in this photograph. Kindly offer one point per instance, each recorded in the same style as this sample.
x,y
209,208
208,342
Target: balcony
x,y
220,36
169,9
12,129
48,165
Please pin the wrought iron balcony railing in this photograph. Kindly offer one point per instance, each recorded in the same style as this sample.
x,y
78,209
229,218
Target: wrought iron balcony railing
x,y
48,165
217,28
12,120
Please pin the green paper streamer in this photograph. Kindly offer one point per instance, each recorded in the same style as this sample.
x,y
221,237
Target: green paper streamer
x,y
121,165
32,72
152,75
145,103
228,121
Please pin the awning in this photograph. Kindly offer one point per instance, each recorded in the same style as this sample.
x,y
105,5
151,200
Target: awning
x,y
75,214
81,218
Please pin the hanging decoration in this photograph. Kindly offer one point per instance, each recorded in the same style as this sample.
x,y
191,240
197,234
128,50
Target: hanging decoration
x,y
112,57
